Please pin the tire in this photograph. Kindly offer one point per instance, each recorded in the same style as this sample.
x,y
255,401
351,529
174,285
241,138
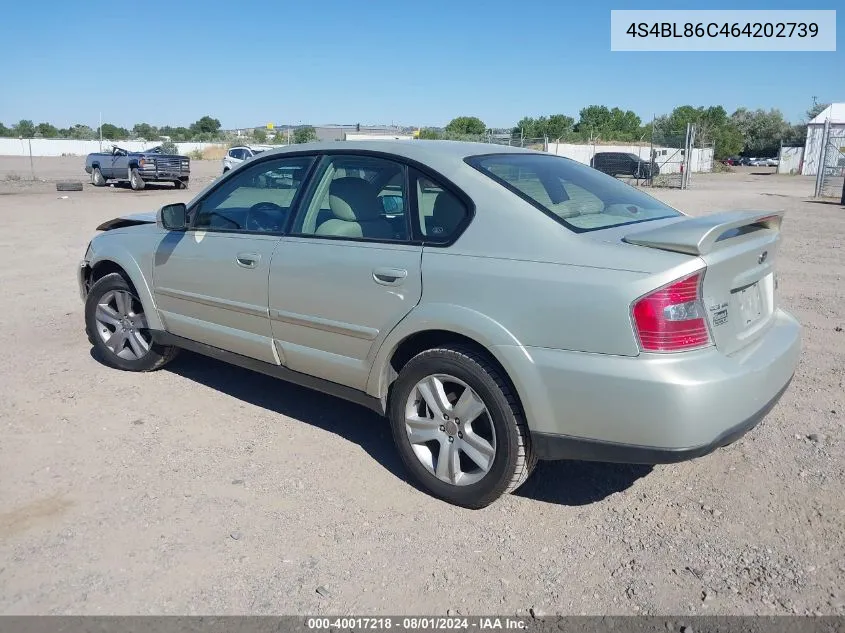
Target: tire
x,y
106,316
178,184
135,180
97,178
68,186
502,420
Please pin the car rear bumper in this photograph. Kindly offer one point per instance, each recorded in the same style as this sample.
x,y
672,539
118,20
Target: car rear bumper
x,y
549,446
653,408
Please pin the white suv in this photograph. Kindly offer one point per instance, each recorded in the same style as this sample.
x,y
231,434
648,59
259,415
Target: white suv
x,y
236,155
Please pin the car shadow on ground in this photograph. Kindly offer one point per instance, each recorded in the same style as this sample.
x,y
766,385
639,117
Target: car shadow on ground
x,y
573,483
150,186
567,483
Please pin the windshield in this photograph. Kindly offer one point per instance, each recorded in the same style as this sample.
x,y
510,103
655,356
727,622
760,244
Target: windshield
x,y
579,197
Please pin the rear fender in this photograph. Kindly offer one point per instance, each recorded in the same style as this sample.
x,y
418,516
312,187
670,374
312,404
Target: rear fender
x,y
499,342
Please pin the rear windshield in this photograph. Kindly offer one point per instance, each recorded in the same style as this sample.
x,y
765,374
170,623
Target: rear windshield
x,y
579,197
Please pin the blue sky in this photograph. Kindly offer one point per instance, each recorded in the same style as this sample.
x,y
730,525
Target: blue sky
x,y
373,61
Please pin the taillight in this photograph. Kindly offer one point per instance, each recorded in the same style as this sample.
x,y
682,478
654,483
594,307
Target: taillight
x,y
672,318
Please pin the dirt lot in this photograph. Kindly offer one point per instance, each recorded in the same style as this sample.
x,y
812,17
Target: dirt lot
x,y
207,489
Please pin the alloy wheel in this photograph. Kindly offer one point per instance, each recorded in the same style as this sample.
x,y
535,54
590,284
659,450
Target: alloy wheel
x,y
450,429
122,326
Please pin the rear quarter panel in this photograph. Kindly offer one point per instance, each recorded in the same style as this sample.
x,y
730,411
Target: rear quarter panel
x,y
517,278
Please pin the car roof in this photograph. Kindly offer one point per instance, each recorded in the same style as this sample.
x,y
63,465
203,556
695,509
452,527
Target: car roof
x,y
429,152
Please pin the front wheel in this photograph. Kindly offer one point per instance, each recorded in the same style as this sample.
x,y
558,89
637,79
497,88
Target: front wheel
x,y
97,178
117,327
135,180
458,427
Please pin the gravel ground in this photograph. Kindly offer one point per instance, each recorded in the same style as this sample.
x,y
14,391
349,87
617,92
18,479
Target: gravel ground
x,y
206,489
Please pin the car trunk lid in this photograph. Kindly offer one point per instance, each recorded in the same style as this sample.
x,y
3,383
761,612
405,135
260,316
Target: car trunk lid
x,y
740,250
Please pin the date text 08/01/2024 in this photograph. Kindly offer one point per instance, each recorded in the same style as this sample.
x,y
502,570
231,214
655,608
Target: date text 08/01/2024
x,y
713,29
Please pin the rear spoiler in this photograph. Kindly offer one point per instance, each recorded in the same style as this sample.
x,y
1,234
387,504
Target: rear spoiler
x,y
698,236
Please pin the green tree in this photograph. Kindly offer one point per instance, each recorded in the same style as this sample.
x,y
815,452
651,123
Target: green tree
x,y
559,126
206,125
4,131
305,134
526,127
712,124
81,132
593,120
727,141
430,133
145,131
169,147
46,130
24,128
762,131
259,135
796,136
815,110
554,127
176,133
469,125
608,124
113,132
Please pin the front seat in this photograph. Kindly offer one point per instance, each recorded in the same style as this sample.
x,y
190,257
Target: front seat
x,y
357,211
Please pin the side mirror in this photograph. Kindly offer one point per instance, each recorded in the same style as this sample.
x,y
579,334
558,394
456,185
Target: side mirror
x,y
173,217
392,204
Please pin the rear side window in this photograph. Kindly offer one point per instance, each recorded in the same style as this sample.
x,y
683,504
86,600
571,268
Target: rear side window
x,y
577,196
441,212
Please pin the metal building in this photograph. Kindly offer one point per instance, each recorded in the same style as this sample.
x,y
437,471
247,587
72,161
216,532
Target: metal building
x,y
819,140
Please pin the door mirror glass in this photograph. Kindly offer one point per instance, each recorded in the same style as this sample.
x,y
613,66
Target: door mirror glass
x,y
393,205
173,217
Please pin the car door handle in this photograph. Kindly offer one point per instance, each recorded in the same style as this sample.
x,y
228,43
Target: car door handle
x,y
389,276
247,260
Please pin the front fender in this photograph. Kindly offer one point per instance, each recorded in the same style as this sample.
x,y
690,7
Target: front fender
x,y
502,344
111,250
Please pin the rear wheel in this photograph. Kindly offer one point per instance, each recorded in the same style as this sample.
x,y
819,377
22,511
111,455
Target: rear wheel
x,y
118,329
135,180
97,178
178,184
458,427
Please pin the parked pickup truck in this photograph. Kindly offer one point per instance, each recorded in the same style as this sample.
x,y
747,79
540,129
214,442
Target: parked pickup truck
x,y
138,168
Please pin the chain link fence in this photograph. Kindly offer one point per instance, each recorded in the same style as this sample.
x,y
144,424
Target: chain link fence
x,y
830,177
672,152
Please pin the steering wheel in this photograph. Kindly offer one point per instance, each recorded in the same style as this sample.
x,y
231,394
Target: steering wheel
x,y
267,217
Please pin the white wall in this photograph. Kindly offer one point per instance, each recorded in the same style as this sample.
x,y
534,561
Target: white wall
x,y
67,147
668,159
790,159
812,149
360,136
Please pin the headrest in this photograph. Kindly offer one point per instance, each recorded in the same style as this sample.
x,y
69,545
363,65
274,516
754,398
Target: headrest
x,y
354,200
447,214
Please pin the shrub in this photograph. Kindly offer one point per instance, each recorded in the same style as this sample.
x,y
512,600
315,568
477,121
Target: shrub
x,y
169,147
